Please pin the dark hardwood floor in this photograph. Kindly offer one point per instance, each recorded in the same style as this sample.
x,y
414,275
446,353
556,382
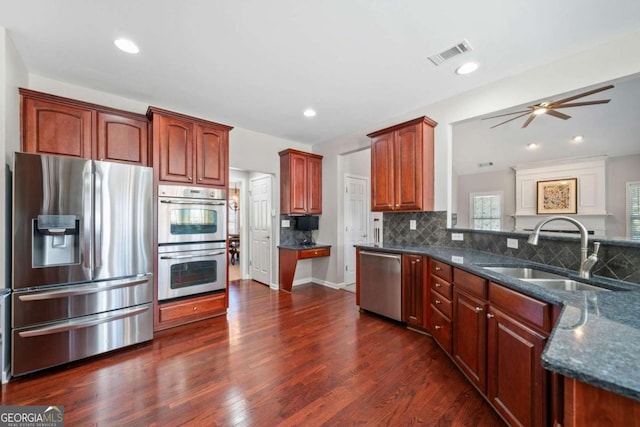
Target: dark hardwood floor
x,y
308,358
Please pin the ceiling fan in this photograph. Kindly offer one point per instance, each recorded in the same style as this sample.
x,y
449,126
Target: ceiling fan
x,y
551,107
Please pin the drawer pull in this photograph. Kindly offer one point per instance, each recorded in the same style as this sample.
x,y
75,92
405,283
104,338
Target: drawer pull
x,y
438,301
438,327
490,316
438,268
438,285
478,309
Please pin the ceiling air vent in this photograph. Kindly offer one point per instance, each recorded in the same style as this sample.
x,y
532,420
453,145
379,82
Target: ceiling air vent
x,y
458,49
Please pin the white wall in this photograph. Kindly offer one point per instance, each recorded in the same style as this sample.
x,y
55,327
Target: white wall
x,y
504,180
620,170
615,59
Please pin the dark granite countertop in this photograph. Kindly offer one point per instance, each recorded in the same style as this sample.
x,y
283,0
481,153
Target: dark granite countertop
x,y
597,337
300,246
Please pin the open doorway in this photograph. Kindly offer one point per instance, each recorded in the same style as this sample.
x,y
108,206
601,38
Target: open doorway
x,y
251,226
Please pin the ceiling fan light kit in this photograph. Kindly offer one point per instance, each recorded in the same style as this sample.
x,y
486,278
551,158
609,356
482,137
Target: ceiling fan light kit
x,y
550,108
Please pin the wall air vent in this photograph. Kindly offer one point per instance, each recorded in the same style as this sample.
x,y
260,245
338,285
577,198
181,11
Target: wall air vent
x,y
458,49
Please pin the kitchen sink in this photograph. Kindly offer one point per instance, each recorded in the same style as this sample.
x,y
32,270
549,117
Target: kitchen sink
x,y
524,273
564,285
544,279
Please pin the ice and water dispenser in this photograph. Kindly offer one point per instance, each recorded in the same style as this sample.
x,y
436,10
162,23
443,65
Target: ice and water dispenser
x,y
56,240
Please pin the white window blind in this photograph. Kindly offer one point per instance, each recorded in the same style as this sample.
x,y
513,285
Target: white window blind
x,y
633,210
486,210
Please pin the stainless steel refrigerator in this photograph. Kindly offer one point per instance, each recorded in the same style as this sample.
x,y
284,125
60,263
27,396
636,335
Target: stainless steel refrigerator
x,y
82,259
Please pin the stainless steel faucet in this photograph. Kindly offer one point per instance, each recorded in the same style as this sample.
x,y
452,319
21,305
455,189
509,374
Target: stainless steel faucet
x,y
586,263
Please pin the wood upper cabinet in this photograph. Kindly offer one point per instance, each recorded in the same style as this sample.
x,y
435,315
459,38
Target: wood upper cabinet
x,y
402,166
67,127
189,150
413,291
122,138
300,183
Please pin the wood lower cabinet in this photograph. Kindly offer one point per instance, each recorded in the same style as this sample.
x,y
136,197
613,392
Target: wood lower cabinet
x,y
68,127
440,305
188,150
413,290
300,183
191,310
402,166
470,337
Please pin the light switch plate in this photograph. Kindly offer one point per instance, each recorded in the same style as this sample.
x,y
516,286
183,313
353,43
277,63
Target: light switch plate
x,y
412,224
512,243
286,223
458,237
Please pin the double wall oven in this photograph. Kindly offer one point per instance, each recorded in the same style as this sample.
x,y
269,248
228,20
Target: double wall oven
x,y
192,247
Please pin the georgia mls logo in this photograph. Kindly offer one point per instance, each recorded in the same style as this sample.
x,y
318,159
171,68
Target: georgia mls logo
x,y
31,416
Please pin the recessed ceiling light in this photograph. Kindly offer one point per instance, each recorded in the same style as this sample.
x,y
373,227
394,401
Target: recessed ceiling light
x,y
532,146
578,138
309,112
467,68
127,46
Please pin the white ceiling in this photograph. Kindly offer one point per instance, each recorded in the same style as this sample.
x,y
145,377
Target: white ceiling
x,y
258,64
611,129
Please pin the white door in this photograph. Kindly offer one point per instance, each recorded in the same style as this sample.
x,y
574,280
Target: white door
x,y
260,229
355,220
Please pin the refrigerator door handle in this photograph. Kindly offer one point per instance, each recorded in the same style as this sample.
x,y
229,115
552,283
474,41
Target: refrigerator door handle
x,y
97,218
80,324
87,207
63,293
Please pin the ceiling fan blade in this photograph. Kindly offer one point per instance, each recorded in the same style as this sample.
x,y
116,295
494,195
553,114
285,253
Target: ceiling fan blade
x,y
580,95
529,120
558,114
506,114
516,117
581,104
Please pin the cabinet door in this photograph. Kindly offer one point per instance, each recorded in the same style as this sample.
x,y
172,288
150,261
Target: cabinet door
x,y
175,139
470,337
211,156
122,139
412,289
408,168
517,383
314,184
382,188
298,183
55,128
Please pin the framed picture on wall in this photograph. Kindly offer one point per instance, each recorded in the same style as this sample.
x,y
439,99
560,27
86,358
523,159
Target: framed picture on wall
x,y
558,196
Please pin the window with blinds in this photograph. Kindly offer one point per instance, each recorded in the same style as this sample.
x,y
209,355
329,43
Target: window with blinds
x,y
633,210
486,210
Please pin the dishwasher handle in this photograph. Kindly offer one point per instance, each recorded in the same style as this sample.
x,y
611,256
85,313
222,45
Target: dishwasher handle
x,y
378,254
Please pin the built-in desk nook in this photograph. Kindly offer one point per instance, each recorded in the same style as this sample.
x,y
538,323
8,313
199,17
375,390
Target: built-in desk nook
x,y
288,256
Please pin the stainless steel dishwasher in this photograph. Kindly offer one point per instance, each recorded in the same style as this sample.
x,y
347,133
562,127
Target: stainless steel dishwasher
x,y
381,283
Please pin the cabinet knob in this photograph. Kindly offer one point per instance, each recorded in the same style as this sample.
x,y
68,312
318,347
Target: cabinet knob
x,y
195,308
398,205
478,309
438,301
199,179
418,260
438,327
490,316
189,178
438,268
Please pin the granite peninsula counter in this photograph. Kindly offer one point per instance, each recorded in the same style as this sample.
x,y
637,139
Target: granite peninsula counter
x,y
597,337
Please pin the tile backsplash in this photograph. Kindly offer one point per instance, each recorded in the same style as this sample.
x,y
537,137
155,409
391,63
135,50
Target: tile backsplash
x,y
615,261
291,236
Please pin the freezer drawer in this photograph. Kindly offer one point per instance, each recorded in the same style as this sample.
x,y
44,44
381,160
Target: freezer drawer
x,y
66,302
56,343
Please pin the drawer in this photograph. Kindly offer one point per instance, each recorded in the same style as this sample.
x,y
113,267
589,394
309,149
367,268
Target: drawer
x,y
441,303
440,328
195,308
441,269
471,283
442,287
530,310
312,253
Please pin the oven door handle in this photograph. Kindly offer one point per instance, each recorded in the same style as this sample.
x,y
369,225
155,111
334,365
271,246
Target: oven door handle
x,y
192,202
192,256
